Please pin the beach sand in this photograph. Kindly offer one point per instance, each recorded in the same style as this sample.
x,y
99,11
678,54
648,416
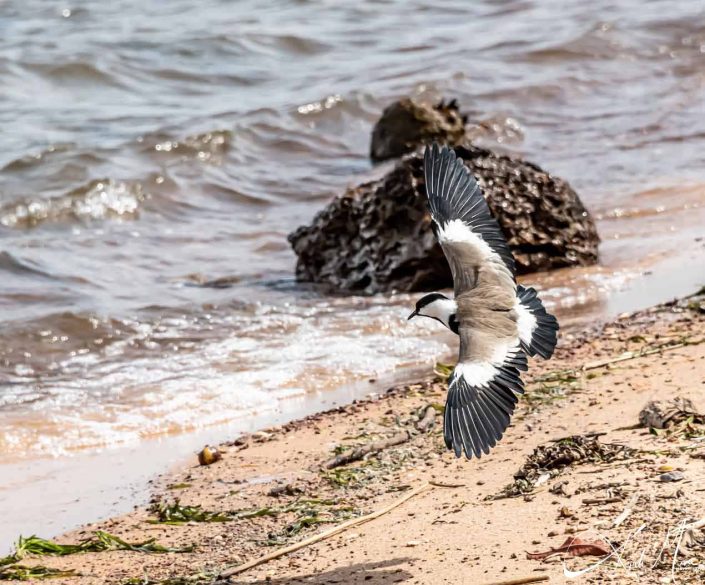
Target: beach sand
x,y
275,493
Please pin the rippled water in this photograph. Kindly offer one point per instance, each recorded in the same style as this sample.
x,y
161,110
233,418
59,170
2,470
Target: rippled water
x,y
155,156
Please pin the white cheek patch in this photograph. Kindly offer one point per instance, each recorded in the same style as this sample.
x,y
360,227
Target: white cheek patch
x,y
441,309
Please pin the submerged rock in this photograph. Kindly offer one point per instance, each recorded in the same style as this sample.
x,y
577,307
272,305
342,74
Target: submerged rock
x,y
377,236
406,124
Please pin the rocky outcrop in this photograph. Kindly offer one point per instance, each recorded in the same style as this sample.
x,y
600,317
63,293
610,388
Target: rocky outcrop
x,y
377,236
406,124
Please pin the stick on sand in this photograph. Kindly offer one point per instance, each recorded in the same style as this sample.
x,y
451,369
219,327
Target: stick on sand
x,y
521,580
360,452
323,535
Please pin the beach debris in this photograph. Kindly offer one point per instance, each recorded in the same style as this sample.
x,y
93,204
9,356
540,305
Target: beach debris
x,y
662,414
521,580
200,578
671,476
100,542
443,371
323,535
209,455
601,501
574,547
358,453
646,350
556,456
311,512
284,489
551,387
628,509
428,420
176,514
30,573
344,477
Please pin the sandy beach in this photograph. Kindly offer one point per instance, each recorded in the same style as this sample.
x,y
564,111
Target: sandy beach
x,y
440,519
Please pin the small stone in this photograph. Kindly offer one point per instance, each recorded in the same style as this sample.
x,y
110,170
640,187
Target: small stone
x,y
553,533
671,476
209,455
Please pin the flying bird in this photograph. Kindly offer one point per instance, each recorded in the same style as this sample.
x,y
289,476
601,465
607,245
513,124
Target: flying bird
x,y
498,321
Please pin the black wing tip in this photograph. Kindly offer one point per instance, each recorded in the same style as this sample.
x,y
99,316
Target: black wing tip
x,y
475,419
453,193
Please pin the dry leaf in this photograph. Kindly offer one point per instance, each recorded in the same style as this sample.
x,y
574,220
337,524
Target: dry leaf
x,y
574,547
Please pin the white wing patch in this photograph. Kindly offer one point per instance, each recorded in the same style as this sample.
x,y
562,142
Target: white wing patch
x,y
476,374
457,231
526,322
480,373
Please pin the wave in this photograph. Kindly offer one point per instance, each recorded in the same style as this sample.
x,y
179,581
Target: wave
x,y
13,265
98,200
206,147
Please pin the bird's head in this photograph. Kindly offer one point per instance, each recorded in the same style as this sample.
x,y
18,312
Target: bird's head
x,y
436,306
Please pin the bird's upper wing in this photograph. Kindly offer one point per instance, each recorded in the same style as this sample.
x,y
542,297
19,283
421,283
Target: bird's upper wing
x,y
470,237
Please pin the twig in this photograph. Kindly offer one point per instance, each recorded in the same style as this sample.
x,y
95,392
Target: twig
x,y
589,502
373,447
521,580
428,419
322,536
626,512
592,435
633,356
446,485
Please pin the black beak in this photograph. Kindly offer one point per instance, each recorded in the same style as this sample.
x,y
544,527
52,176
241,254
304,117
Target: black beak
x,y
412,315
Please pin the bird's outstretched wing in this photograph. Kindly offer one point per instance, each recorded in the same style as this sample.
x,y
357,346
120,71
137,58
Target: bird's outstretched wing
x,y
482,391
469,235
483,388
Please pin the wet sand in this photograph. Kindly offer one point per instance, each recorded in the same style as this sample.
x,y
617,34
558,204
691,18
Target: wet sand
x,y
271,485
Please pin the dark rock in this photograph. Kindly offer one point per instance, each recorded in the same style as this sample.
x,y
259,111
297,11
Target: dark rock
x,y
406,124
377,236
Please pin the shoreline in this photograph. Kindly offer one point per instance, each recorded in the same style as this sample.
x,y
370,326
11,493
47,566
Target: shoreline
x,y
69,500
274,470
111,482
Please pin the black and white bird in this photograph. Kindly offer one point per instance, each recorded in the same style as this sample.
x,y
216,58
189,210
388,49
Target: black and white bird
x,y
498,321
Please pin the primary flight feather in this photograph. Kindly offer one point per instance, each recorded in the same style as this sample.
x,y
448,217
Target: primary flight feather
x,y
498,321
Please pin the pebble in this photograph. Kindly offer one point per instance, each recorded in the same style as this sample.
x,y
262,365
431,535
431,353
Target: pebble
x,y
209,455
671,476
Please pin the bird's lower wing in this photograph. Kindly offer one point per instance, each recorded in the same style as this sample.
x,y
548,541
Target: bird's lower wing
x,y
482,394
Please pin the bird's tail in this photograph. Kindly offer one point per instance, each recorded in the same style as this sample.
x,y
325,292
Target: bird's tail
x,y
538,329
